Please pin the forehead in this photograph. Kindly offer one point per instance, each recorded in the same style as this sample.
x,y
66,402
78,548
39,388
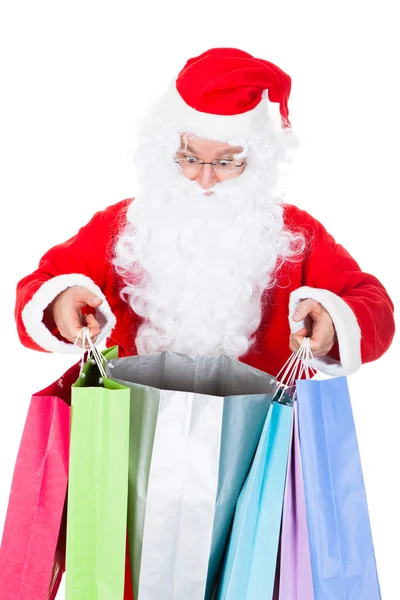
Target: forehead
x,y
200,145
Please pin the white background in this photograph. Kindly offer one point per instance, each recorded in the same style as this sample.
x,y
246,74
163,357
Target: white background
x,y
75,75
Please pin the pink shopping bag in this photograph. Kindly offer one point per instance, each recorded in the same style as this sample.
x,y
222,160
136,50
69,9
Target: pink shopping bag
x,y
32,553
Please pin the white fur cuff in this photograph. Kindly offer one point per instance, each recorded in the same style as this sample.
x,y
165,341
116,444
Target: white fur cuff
x,y
346,325
32,314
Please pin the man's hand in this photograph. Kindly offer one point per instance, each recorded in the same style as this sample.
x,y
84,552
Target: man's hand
x,y
67,313
318,327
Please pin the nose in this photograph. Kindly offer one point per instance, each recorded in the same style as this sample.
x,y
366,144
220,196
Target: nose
x,y
206,177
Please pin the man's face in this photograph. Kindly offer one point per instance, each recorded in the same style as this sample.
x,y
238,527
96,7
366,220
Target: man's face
x,y
196,267
226,166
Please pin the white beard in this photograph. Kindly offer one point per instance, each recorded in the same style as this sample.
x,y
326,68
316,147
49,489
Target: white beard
x,y
196,266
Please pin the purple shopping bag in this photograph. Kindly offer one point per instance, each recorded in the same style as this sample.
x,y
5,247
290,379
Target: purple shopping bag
x,y
294,578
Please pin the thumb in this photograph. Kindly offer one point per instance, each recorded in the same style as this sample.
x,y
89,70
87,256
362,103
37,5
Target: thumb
x,y
84,296
307,306
89,297
94,301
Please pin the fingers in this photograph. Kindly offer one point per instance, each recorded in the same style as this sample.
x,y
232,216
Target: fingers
x,y
321,341
296,339
69,324
93,325
93,330
72,325
323,337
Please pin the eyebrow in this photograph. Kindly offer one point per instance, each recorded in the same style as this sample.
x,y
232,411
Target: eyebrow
x,y
221,153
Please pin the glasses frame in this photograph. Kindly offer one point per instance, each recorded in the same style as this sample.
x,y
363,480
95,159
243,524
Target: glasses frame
x,y
199,165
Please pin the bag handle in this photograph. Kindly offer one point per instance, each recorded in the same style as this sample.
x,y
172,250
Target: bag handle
x,y
84,334
293,369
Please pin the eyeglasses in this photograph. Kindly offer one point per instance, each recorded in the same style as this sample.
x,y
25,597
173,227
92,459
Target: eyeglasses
x,y
193,164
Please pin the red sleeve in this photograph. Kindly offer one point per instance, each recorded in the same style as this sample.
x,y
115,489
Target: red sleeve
x,y
355,300
81,260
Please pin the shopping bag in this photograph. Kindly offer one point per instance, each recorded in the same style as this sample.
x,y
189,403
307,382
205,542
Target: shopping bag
x,y
30,566
249,568
341,547
59,558
98,488
195,425
295,577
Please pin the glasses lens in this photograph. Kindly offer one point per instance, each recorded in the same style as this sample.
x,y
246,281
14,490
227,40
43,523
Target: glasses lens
x,y
226,166
189,163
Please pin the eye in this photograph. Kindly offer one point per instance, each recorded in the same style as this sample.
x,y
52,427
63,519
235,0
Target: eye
x,y
224,163
191,160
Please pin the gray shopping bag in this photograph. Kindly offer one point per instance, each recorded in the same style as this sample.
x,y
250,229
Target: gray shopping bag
x,y
195,425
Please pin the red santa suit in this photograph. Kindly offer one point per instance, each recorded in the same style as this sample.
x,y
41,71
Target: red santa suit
x,y
221,95
357,302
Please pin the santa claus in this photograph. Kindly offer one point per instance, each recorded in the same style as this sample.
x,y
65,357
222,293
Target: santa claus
x,y
206,259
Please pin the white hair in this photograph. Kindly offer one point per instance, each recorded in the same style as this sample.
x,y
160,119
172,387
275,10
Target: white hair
x,y
195,267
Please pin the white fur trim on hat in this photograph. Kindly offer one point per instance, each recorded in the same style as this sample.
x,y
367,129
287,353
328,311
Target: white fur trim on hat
x,y
32,314
346,325
214,127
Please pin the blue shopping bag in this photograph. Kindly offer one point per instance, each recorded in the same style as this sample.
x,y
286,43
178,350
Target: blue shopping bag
x,y
341,547
249,569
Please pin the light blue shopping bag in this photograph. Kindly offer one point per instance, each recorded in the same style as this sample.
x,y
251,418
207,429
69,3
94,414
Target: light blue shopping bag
x,y
249,569
341,547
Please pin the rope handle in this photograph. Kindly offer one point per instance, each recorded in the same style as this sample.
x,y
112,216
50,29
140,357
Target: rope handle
x,y
97,356
293,369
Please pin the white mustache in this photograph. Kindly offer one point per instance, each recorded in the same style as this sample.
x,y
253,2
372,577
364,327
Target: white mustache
x,y
190,187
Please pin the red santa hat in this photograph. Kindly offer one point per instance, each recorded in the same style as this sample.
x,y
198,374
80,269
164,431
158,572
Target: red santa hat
x,y
222,94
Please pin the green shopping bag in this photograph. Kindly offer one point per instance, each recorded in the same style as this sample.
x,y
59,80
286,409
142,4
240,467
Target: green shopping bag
x,y
98,486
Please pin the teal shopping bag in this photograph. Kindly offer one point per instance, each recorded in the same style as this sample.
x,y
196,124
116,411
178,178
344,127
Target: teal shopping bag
x,y
250,563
